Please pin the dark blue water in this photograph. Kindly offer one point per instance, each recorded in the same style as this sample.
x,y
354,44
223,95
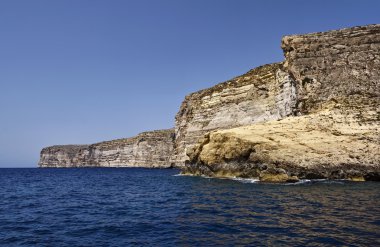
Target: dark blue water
x,y
126,207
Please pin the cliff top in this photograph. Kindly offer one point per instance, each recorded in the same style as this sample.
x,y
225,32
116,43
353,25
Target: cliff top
x,y
147,134
335,66
155,134
259,74
338,32
70,149
358,35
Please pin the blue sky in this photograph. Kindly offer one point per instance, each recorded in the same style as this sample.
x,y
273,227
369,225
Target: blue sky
x,y
84,71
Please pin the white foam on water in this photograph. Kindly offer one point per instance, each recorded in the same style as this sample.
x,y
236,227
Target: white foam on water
x,y
184,175
324,181
192,175
238,179
302,181
246,180
337,181
256,180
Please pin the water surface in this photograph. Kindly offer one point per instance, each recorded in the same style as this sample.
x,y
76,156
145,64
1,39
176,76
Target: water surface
x,y
127,207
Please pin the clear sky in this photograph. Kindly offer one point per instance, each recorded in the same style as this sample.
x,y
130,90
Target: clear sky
x,y
84,71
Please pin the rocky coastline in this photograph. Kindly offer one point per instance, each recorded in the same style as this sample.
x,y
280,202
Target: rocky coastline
x,y
315,115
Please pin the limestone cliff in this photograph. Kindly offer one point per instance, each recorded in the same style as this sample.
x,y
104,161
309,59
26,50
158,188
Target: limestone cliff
x,y
149,149
337,66
335,78
63,156
262,94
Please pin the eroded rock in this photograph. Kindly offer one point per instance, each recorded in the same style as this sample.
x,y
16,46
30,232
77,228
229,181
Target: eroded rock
x,y
304,147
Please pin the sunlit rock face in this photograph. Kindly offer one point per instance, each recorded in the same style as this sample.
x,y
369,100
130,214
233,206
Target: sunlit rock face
x,y
152,149
336,67
262,94
331,129
325,145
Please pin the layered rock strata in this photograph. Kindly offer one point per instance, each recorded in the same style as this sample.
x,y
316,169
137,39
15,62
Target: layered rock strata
x,y
152,149
342,67
335,133
262,94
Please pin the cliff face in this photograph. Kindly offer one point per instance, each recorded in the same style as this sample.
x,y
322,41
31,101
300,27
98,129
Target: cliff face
x,y
262,94
149,149
336,78
341,65
63,156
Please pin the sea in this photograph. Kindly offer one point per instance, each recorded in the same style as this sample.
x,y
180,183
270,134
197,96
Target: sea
x,y
153,207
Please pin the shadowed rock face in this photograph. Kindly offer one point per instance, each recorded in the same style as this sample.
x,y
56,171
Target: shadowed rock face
x,y
262,94
64,156
335,133
149,149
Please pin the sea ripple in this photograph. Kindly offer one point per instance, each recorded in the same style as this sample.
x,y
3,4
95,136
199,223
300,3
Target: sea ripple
x,y
142,207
